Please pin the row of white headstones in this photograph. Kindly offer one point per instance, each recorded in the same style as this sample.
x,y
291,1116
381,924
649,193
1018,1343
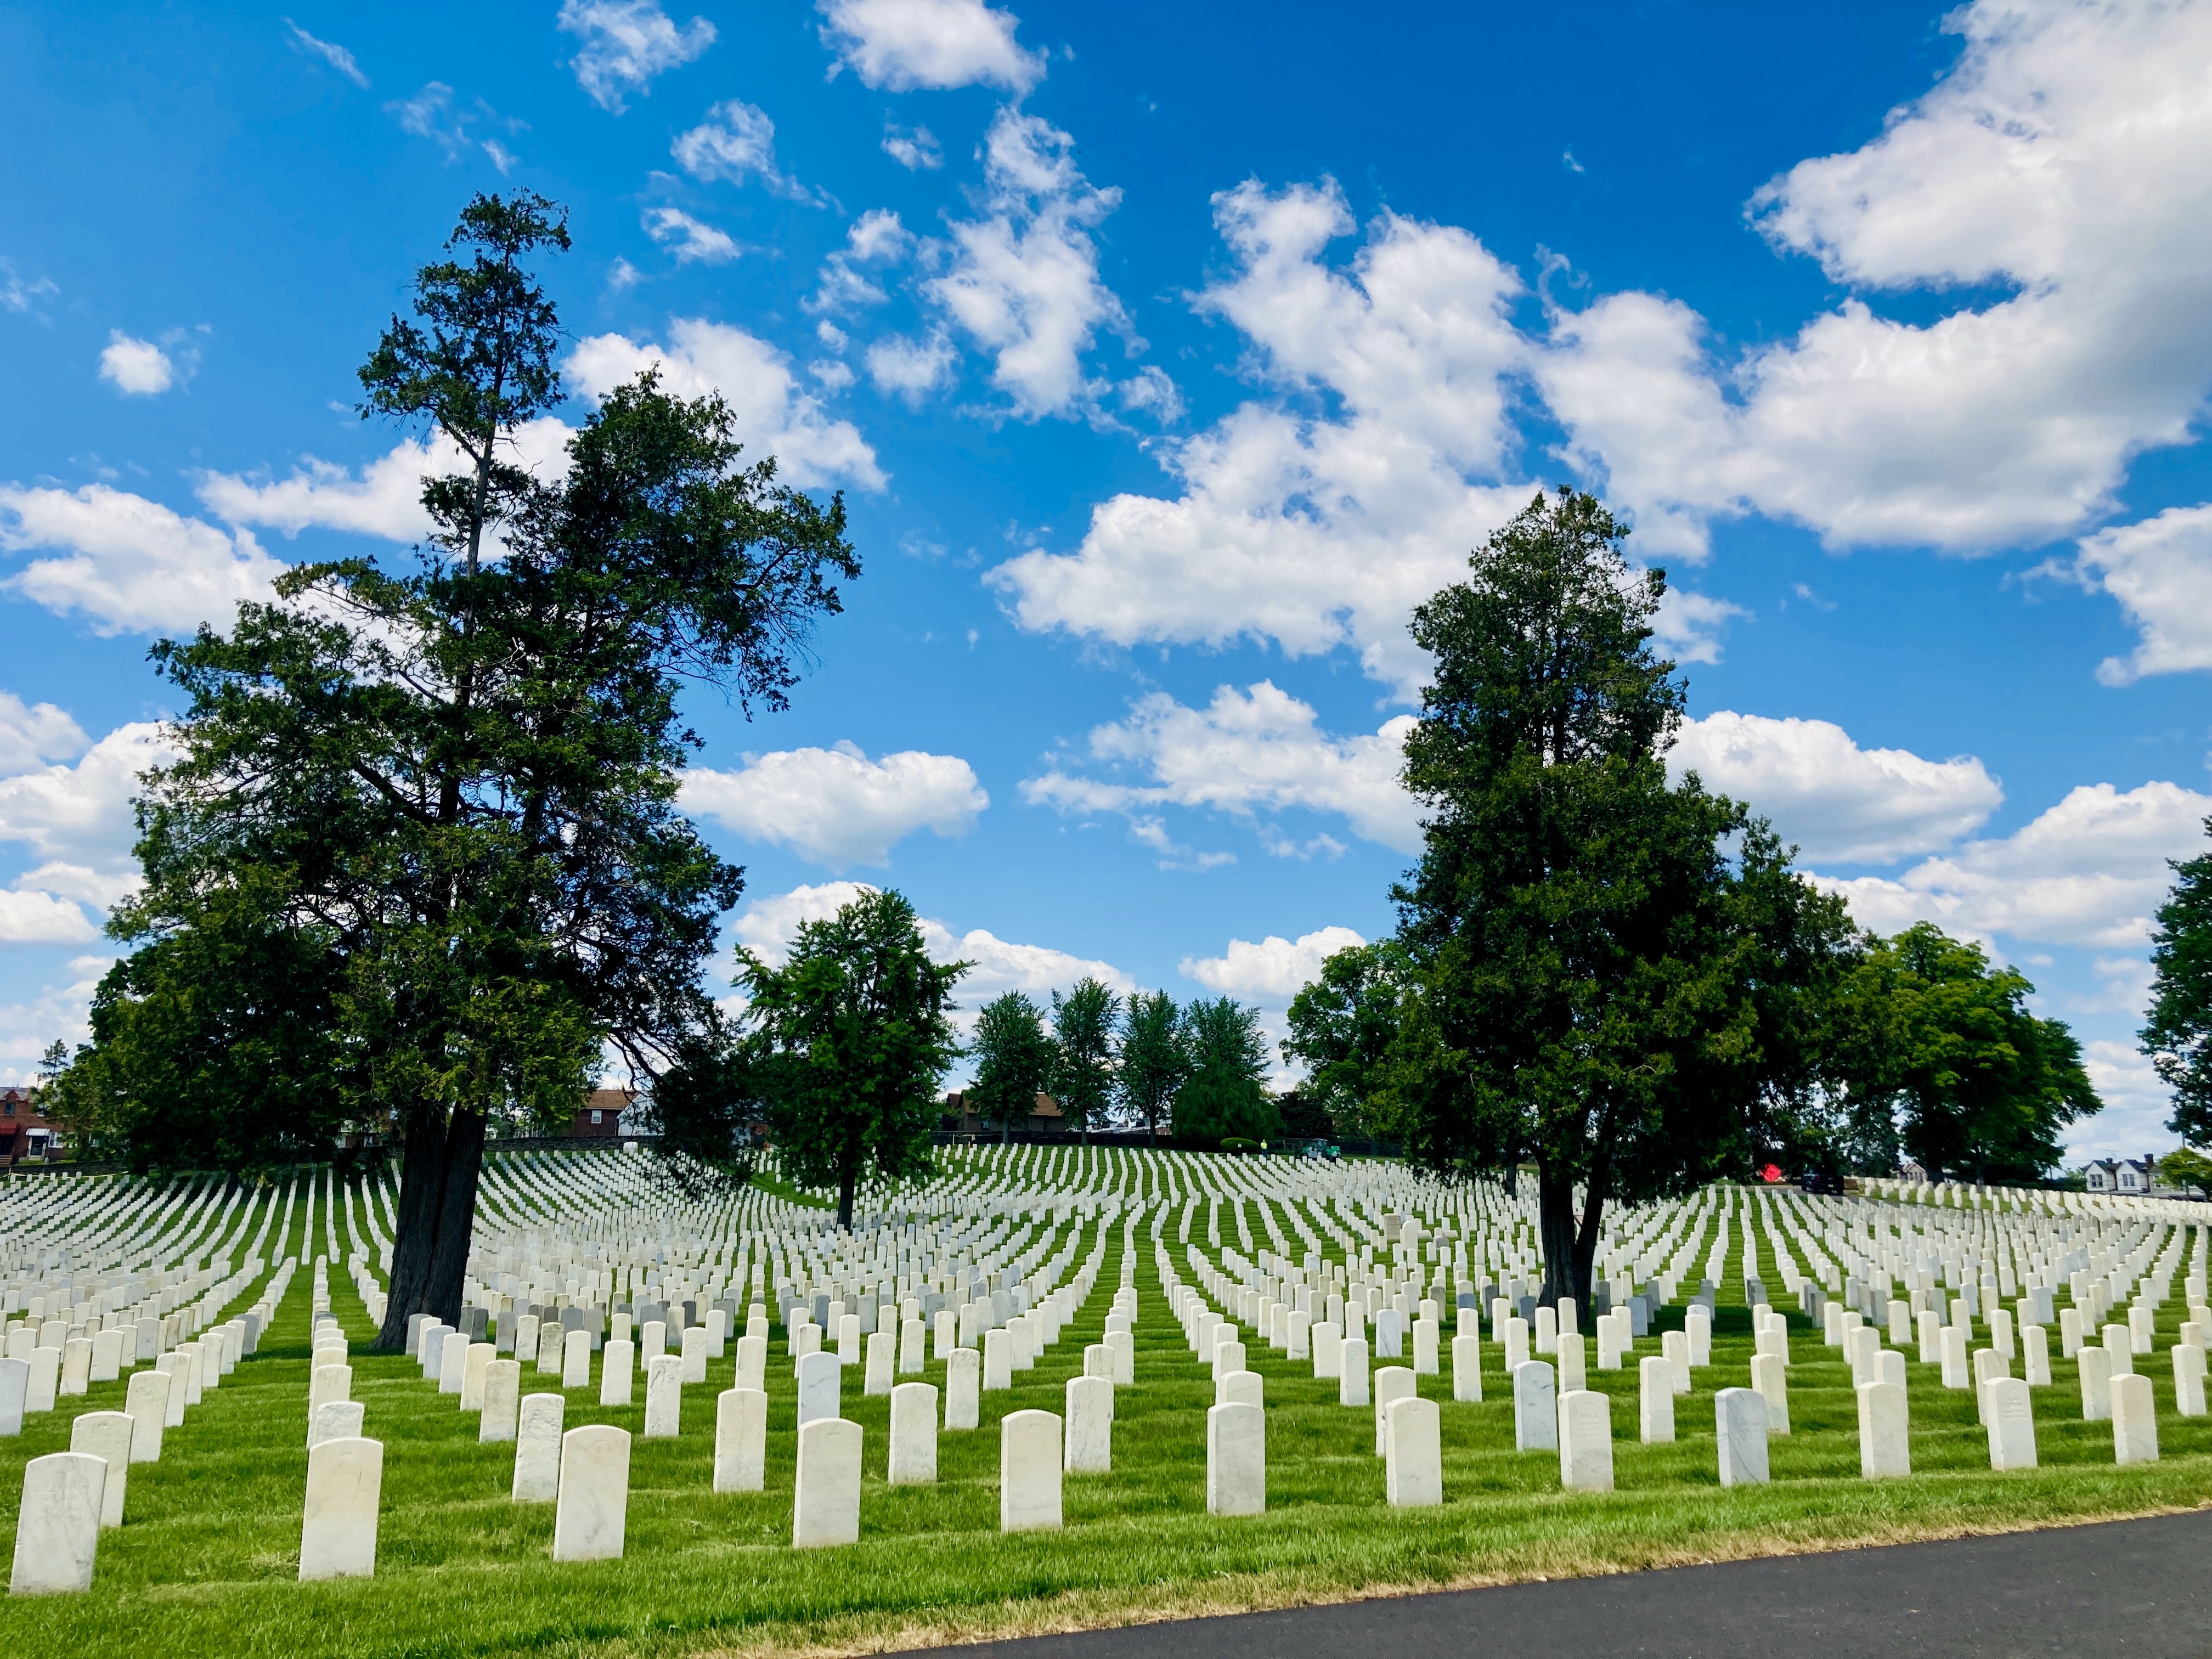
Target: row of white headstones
x,y
70,1497
1576,1421
339,1527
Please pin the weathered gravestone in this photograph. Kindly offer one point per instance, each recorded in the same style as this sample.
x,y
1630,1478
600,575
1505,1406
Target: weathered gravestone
x,y
1236,1459
1585,1440
820,1387
338,1530
825,1508
740,1440
1029,1471
913,1459
335,1420
592,1511
1412,1454
1536,1414
537,1449
58,1523
1740,1427
106,1436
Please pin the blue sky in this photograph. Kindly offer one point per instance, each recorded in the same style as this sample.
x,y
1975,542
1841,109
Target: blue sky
x,y
1167,356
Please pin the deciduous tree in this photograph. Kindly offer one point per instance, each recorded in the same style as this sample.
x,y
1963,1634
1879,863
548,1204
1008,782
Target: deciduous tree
x,y
1341,1027
852,1035
1153,1059
1980,1086
1082,1024
1014,1062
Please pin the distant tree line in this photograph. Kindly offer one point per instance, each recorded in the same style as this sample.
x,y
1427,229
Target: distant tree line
x,y
1201,1070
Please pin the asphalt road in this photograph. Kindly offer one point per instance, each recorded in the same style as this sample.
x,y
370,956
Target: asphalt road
x,y
2131,1587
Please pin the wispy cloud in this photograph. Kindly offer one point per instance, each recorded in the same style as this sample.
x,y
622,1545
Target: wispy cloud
x,y
18,295
626,44
688,239
435,114
329,51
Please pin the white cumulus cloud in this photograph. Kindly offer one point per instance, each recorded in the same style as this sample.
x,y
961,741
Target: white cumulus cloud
x,y
2065,158
909,368
128,564
2160,571
902,45
735,142
80,812
1250,752
32,732
836,806
34,918
383,498
916,148
625,44
136,367
693,241
1023,281
1834,799
1274,970
772,414
1305,530
2088,871
877,238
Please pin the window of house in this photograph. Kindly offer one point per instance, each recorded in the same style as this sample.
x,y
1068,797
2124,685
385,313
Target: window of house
x,y
595,1118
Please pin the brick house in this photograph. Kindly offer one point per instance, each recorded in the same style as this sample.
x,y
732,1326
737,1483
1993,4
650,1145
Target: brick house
x,y
602,1111
25,1132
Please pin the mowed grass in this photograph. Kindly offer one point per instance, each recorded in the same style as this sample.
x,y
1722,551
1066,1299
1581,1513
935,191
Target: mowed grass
x,y
207,1561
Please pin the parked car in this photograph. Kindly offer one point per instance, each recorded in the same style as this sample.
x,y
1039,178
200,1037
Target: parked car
x,y
1820,1181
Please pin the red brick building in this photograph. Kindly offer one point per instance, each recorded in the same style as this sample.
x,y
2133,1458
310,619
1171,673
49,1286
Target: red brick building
x,y
602,1112
25,1132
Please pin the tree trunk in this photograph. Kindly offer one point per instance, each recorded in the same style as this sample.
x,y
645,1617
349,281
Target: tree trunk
x,y
848,1180
1556,1226
438,1174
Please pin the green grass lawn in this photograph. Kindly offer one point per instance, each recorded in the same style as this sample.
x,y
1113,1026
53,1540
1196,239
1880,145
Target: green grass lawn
x,y
207,1560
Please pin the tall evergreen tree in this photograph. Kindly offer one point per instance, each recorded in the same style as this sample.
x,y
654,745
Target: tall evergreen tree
x,y
1225,1095
1603,964
437,806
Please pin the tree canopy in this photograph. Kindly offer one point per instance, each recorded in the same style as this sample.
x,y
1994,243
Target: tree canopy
x,y
2178,1034
1014,1062
849,1043
1341,1027
1082,1024
436,805
1154,1059
1603,965
1224,1095
1979,1086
